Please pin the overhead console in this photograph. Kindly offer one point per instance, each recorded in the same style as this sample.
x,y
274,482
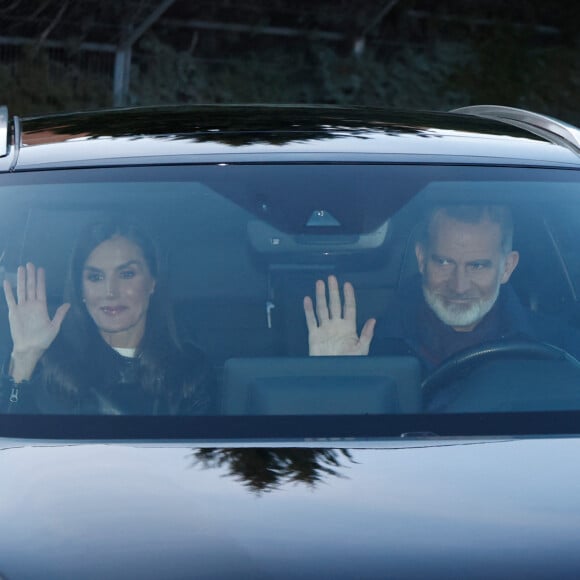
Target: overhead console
x,y
321,246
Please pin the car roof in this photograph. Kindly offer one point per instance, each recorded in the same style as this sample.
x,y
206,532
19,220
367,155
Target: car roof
x,y
276,133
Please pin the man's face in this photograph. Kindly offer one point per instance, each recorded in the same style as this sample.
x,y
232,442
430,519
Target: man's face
x,y
463,269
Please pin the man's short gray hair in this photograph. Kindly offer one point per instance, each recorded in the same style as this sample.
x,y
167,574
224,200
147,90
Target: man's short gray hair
x,y
471,214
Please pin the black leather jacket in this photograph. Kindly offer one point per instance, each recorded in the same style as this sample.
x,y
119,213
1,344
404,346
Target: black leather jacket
x,y
122,395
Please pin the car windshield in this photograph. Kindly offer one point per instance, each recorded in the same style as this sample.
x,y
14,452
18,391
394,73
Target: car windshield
x,y
465,281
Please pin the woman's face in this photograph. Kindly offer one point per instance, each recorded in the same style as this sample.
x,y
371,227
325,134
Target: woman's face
x,y
117,286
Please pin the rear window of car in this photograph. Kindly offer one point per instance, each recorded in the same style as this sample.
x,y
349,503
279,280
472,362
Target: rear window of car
x,y
239,246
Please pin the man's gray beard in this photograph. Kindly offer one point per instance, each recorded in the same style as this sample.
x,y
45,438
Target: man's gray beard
x,y
458,315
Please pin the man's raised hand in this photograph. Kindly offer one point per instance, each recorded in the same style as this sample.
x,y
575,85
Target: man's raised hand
x,y
332,326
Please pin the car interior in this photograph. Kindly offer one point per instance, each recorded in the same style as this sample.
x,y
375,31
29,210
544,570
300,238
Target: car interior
x,y
237,282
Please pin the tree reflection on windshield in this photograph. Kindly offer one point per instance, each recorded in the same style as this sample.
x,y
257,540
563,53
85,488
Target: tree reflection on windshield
x,y
264,470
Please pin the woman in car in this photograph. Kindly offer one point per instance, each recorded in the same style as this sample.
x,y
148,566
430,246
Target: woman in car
x,y
112,348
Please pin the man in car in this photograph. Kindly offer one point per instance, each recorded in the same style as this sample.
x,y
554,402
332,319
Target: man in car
x,y
461,298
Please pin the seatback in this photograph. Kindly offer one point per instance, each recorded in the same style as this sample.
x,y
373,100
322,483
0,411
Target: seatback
x,y
321,385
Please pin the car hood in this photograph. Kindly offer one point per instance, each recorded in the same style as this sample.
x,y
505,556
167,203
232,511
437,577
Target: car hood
x,y
476,509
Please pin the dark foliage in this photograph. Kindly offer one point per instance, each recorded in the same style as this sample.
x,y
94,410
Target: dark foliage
x,y
267,469
405,54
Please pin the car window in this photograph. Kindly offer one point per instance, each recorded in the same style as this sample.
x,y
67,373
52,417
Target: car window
x,y
240,246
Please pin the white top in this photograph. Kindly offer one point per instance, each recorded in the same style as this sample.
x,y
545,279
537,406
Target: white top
x,y
127,352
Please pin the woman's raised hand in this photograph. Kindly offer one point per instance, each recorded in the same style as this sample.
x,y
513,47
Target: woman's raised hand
x,y
31,327
332,330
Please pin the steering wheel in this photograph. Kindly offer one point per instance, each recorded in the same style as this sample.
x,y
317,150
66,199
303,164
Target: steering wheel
x,y
462,362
